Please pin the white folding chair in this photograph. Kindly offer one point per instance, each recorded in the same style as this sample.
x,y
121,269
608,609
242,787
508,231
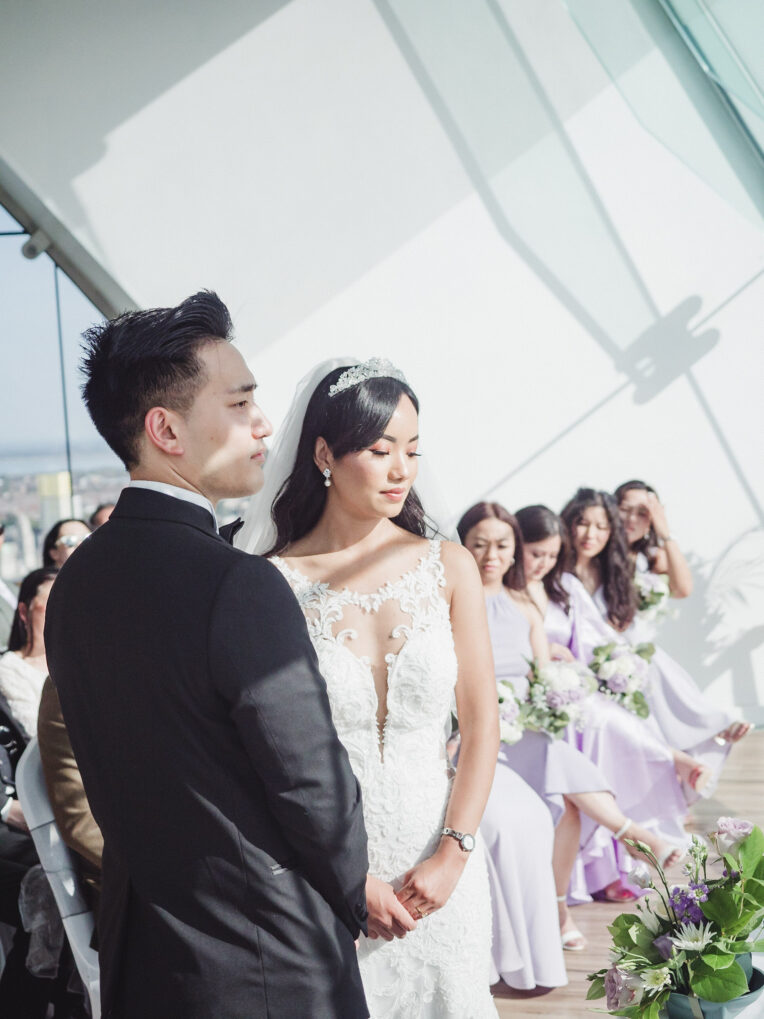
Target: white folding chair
x,y
60,869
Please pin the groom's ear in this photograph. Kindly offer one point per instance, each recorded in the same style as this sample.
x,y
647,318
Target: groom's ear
x,y
322,455
162,431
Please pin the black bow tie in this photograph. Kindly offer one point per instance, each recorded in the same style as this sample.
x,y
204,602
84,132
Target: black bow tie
x,y
229,531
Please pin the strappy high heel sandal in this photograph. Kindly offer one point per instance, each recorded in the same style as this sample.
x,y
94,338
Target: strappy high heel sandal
x,y
572,940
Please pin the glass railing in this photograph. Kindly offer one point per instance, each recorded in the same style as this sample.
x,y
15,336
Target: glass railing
x,y
53,463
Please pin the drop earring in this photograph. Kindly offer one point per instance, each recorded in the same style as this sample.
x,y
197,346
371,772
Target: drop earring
x,y
327,477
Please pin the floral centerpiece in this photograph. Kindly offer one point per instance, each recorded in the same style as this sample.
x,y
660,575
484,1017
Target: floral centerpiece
x,y
621,672
690,941
653,595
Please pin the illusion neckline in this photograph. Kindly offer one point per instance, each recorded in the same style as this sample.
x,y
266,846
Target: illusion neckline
x,y
348,592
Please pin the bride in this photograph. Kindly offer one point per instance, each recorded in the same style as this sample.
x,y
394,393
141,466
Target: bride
x,y
399,626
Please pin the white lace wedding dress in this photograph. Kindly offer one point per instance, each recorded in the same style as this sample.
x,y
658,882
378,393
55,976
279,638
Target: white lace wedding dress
x,y
441,969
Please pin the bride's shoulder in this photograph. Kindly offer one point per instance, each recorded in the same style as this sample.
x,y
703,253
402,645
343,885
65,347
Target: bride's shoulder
x,y
458,563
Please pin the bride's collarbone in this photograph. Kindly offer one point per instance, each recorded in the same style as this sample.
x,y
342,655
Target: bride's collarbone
x,y
364,571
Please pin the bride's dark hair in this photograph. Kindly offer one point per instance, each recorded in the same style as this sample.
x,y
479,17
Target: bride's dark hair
x,y
352,420
616,567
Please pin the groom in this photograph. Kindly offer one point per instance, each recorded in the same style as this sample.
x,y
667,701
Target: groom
x,y
235,855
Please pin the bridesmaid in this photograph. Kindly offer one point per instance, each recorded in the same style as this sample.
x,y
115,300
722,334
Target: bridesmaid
x,y
687,717
574,789
599,557
631,752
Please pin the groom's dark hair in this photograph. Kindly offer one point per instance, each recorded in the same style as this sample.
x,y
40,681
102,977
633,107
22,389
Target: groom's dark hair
x,y
145,359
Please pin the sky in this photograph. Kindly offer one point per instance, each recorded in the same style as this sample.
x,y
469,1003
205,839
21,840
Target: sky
x,y
31,408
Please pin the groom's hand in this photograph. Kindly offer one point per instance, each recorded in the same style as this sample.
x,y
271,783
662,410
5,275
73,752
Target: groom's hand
x,y
387,917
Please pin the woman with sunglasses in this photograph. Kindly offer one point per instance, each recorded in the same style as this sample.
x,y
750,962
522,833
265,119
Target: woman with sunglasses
x,y
62,539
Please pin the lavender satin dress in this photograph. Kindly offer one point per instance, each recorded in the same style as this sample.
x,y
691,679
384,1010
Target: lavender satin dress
x,y
687,718
631,752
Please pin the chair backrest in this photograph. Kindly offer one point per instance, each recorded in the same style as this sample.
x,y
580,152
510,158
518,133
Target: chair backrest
x,y
60,868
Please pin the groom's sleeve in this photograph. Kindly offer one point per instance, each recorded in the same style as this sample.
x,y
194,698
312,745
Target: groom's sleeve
x,y
263,663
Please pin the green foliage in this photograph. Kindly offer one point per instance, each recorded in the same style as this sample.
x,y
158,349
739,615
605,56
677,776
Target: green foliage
x,y
717,984
751,853
717,960
597,987
640,706
646,651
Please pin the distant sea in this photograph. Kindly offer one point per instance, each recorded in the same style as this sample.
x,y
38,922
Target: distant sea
x,y
14,465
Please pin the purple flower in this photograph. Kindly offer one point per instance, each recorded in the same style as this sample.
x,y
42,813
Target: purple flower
x,y
622,988
700,889
555,700
685,905
618,683
665,946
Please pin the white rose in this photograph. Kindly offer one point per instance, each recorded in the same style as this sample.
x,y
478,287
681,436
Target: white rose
x,y
509,732
608,670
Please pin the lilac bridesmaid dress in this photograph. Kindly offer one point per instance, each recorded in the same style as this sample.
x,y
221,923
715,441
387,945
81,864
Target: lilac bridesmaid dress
x,y
631,752
685,716
518,835
551,767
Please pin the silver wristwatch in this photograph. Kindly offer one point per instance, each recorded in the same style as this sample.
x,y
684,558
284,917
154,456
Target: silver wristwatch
x,y
465,840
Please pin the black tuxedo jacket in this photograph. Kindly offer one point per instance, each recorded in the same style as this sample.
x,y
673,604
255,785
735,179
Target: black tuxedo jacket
x,y
234,847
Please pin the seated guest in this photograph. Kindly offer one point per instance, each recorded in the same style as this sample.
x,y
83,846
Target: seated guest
x,y
100,515
66,793
62,539
22,995
23,667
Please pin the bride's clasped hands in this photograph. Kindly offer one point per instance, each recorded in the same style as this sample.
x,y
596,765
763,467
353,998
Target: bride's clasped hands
x,y
428,885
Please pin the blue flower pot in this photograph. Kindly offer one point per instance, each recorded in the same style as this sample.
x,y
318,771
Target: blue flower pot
x,y
681,1006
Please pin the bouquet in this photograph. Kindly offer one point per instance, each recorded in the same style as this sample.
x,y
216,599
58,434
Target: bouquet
x,y
687,940
511,726
653,596
556,695
621,672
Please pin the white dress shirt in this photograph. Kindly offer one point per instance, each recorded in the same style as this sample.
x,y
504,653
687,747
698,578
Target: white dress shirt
x,y
178,493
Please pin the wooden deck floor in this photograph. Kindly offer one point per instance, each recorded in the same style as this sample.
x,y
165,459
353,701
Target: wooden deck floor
x,y
740,793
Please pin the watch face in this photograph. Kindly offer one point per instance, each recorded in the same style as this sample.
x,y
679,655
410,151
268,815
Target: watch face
x,y
467,843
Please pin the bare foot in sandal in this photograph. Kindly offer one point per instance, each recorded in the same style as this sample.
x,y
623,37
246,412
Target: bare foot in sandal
x,y
696,775
666,854
735,732
571,937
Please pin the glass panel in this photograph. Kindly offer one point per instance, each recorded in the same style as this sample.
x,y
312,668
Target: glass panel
x,y
657,70
728,39
470,62
35,488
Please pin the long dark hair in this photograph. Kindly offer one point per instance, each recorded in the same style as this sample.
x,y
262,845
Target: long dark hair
x,y
30,585
350,421
538,523
615,566
514,578
650,540
52,537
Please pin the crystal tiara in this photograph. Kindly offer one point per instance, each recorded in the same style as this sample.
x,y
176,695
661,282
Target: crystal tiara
x,y
374,368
